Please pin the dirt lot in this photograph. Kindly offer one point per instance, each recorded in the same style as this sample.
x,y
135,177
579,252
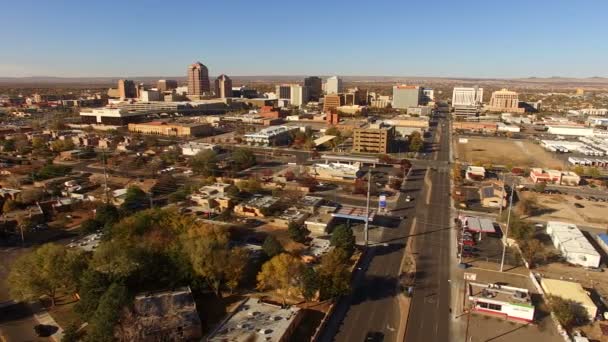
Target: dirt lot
x,y
502,151
561,208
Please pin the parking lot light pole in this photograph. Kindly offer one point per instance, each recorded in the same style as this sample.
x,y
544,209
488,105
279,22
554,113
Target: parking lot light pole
x,y
506,237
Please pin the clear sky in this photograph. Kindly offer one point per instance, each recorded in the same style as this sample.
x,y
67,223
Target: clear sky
x,y
456,38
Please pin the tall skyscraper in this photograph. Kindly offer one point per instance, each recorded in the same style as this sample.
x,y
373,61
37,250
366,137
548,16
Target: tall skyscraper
x,y
283,91
165,85
405,96
333,85
223,86
296,94
315,87
198,79
127,89
467,96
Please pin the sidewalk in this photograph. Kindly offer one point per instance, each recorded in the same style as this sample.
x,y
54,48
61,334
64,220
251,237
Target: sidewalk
x,y
43,317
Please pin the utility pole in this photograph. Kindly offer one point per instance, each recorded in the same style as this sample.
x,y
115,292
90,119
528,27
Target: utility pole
x,y
105,175
502,195
506,237
369,184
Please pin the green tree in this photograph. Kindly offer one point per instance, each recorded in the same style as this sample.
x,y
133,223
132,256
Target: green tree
x,y
533,251
106,214
594,172
334,274
44,271
108,313
529,205
90,226
92,285
243,158
579,170
342,237
211,258
235,267
117,259
563,310
310,283
272,246
416,142
282,274
135,199
9,205
29,196
70,333
296,232
204,163
540,187
250,185
8,145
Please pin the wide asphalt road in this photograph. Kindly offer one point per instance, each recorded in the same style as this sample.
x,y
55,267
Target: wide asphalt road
x,y
430,306
372,305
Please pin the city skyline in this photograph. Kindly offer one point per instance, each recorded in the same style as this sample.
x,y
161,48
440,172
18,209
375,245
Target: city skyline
x,y
470,39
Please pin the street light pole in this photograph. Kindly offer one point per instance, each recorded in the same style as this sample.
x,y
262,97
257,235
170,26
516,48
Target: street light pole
x,y
504,245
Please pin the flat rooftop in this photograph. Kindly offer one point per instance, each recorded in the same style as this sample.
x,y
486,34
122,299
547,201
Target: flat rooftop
x,y
255,320
502,293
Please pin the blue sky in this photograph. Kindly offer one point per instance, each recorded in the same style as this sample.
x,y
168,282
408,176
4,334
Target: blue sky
x,y
446,38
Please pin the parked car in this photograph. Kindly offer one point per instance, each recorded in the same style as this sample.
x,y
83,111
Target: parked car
x,y
578,205
578,197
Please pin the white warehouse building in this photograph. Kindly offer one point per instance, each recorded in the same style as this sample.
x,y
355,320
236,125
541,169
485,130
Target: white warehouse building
x,y
573,245
570,130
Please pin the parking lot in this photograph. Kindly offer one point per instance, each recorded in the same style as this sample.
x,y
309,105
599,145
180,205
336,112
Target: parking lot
x,y
488,248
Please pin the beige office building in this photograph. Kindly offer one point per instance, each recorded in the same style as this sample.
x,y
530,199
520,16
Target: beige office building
x,y
171,129
198,79
223,86
504,101
332,102
375,138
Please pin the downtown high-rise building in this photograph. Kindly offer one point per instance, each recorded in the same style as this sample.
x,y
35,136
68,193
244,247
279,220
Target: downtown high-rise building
x,y
467,96
223,86
504,100
333,85
127,89
315,87
297,95
405,96
198,79
166,85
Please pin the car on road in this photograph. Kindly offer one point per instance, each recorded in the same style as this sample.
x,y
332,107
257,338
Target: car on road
x,y
408,198
374,336
44,330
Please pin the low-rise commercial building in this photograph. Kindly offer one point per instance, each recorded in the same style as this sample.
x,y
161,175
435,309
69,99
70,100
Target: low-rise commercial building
x,y
171,129
335,171
572,292
212,198
258,320
271,136
475,127
258,206
539,175
572,244
570,130
509,302
475,172
193,148
376,138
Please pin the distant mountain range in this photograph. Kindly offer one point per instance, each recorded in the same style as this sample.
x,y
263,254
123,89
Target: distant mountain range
x,y
103,81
